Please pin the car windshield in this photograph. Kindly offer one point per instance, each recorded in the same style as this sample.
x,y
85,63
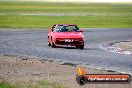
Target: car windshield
x,y
69,28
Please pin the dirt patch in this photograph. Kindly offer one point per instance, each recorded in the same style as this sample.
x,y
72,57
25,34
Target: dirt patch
x,y
15,69
124,45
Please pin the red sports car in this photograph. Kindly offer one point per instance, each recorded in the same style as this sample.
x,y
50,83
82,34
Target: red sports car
x,y
65,34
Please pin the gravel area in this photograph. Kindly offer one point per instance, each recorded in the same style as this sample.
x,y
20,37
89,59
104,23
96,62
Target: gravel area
x,y
124,45
16,69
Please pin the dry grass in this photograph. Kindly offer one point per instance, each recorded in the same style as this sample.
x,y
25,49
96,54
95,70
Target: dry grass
x,y
32,73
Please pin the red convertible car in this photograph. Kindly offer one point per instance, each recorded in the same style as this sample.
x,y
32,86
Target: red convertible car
x,y
65,34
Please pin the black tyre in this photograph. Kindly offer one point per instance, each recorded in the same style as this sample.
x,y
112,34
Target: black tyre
x,y
49,43
53,45
82,46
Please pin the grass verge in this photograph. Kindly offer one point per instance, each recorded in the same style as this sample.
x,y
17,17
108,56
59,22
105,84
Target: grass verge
x,y
43,7
47,84
6,85
39,84
20,21
95,15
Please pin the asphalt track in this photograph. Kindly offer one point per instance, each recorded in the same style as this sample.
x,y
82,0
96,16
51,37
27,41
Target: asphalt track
x,y
33,43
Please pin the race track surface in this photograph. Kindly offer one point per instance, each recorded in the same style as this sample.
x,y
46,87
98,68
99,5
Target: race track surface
x,y
33,43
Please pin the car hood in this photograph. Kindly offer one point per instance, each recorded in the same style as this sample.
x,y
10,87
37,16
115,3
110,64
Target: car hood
x,y
68,34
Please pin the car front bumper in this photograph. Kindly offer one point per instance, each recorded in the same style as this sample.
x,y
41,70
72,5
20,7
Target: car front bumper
x,y
72,41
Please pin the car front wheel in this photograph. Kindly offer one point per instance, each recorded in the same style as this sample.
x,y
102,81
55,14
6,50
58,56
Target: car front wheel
x,y
52,44
49,43
80,47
